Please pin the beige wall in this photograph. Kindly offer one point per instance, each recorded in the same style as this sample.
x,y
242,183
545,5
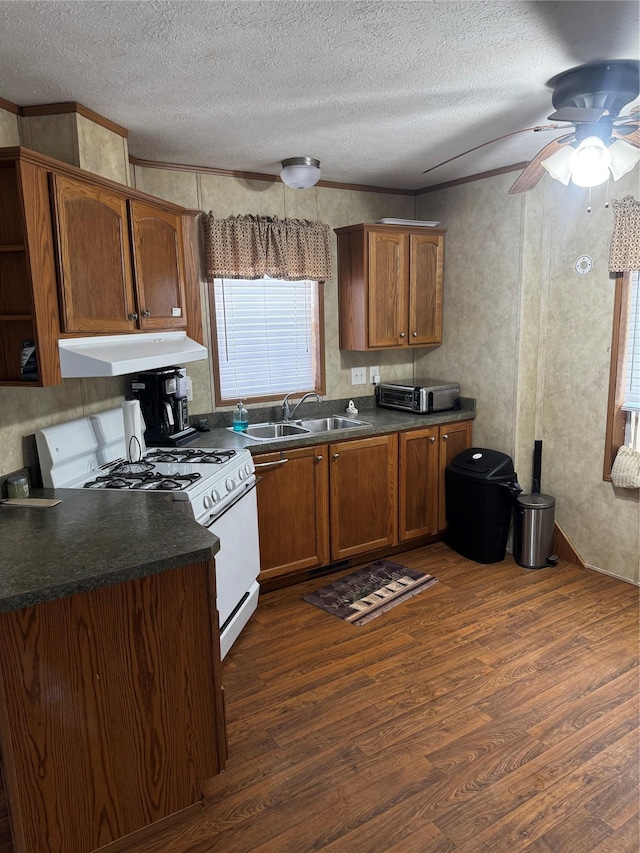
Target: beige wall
x,y
9,130
232,196
530,339
522,332
77,140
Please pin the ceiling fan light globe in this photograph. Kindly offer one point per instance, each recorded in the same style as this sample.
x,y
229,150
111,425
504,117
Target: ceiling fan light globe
x,y
591,178
623,158
590,162
300,173
558,164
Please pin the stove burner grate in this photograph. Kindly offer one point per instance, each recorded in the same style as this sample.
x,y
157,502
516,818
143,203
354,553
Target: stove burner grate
x,y
145,480
190,454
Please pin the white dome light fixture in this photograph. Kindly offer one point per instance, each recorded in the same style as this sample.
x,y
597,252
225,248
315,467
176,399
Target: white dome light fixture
x,y
592,162
300,173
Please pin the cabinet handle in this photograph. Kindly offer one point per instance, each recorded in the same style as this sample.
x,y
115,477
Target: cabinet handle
x,y
335,455
319,458
402,334
133,316
146,313
414,334
270,464
432,439
445,437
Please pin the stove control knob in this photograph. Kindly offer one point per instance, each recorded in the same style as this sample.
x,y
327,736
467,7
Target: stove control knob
x,y
208,503
242,473
215,496
247,468
230,484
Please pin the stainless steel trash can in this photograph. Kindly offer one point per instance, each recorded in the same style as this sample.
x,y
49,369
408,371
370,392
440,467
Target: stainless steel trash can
x,y
533,535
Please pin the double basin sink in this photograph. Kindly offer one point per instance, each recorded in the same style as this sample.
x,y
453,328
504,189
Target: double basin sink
x,y
296,429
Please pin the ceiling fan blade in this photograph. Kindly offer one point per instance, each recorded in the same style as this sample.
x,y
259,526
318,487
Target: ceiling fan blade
x,y
630,136
535,170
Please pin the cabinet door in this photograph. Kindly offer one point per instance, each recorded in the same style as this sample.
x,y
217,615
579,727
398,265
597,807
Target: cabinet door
x,y
364,495
158,261
293,510
388,285
96,289
454,438
425,289
418,483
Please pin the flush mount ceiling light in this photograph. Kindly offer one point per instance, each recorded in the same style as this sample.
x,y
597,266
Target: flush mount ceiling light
x,y
300,173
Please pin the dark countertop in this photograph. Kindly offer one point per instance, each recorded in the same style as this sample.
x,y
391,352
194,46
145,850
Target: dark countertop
x,y
108,537
379,421
89,541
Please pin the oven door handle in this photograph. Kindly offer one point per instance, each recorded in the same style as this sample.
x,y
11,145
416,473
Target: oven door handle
x,y
270,464
245,491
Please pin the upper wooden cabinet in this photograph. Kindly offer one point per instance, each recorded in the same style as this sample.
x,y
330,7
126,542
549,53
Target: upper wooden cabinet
x,y
83,255
156,237
120,262
94,267
390,286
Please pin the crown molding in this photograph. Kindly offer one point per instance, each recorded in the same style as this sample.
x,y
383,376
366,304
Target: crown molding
x,y
9,107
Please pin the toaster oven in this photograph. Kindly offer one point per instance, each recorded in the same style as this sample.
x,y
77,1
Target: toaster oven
x,y
430,395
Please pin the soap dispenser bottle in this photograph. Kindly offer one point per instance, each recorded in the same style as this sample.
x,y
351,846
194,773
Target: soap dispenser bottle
x,y
240,418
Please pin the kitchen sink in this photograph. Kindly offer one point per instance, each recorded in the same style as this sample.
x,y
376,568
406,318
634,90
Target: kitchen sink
x,y
332,423
273,431
277,431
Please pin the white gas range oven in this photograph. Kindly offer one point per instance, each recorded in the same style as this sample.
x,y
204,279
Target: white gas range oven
x,y
216,487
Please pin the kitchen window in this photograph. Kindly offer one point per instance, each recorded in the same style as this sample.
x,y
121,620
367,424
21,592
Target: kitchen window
x,y
268,337
623,422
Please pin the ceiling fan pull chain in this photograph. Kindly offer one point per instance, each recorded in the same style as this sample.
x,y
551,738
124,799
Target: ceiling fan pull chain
x,y
606,201
589,203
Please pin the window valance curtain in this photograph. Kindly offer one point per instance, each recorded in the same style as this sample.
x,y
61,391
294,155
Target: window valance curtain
x,y
255,246
624,255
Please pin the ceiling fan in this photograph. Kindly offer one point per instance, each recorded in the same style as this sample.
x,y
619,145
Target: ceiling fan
x,y
590,97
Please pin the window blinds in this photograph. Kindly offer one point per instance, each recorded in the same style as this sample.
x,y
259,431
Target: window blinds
x,y
632,358
264,331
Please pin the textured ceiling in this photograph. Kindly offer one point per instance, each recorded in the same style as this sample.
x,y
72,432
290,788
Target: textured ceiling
x,y
377,91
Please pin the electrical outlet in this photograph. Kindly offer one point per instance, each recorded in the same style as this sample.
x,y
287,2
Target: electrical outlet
x,y
374,374
358,375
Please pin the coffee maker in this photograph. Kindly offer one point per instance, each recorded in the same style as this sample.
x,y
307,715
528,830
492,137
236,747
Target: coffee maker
x,y
163,401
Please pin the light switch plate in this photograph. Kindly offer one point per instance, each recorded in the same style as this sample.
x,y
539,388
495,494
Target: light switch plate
x,y
374,374
358,375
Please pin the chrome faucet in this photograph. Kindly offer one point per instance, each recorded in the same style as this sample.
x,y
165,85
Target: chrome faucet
x,y
287,414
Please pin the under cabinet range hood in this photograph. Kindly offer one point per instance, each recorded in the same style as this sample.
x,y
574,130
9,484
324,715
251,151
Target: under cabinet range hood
x,y
116,355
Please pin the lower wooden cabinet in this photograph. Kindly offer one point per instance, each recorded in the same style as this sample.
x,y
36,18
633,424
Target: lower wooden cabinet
x,y
423,457
330,502
293,509
364,495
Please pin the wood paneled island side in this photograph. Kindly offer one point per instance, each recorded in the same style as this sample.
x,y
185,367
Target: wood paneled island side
x,y
111,709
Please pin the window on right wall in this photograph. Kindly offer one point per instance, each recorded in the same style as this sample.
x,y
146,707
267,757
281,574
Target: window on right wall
x,y
623,421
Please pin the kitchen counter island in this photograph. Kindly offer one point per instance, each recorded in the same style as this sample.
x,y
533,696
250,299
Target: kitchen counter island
x,y
111,709
92,540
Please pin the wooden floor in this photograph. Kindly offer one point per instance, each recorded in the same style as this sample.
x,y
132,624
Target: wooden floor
x,y
496,711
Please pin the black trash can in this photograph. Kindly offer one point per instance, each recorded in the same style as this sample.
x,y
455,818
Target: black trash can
x,y
480,486
533,531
